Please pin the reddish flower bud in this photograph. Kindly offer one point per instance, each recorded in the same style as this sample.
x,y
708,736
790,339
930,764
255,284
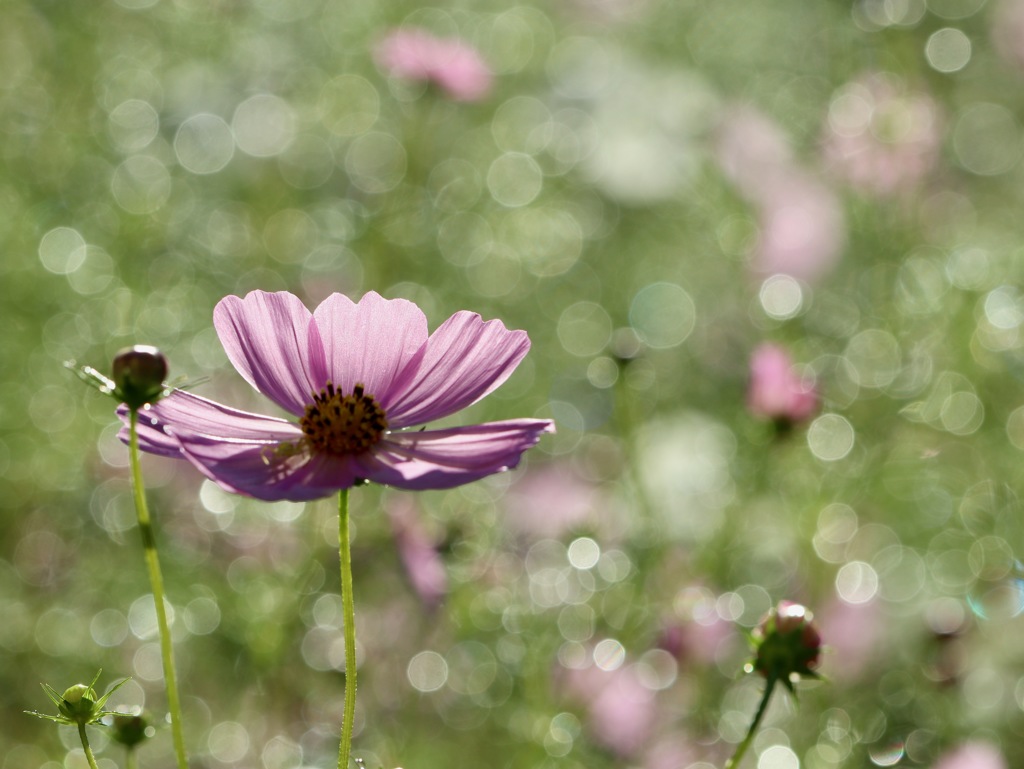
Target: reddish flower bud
x,y
787,644
138,374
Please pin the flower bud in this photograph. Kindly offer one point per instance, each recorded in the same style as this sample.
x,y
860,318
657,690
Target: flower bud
x,y
130,730
138,374
787,644
78,704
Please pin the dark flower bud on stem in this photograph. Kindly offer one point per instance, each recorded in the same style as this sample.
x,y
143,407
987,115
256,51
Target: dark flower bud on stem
x,y
139,373
130,730
787,644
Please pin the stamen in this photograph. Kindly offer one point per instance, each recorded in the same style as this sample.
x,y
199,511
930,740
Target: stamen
x,y
343,424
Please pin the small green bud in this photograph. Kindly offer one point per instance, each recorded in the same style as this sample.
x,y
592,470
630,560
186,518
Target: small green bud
x,y
138,374
78,703
787,644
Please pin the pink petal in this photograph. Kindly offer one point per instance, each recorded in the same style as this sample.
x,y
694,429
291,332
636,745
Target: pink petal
x,y
370,343
190,412
464,360
452,64
442,459
418,550
267,471
271,340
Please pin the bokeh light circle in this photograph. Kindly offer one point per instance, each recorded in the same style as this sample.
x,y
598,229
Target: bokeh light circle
x,y
663,315
584,329
782,297
204,144
987,139
857,582
263,125
830,437
62,250
141,184
948,50
514,179
427,671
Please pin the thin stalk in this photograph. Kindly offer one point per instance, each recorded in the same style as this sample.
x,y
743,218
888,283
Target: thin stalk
x,y
157,585
349,608
741,749
85,746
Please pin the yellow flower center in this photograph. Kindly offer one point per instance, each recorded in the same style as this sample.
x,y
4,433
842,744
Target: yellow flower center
x,y
343,424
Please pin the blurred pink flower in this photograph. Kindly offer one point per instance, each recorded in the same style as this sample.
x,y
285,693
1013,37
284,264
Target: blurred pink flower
x,y
620,710
972,755
777,391
855,637
550,500
671,752
1008,31
418,552
455,67
802,229
693,642
878,138
801,222
753,153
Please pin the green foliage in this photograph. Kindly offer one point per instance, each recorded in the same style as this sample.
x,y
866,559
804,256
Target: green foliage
x,y
160,154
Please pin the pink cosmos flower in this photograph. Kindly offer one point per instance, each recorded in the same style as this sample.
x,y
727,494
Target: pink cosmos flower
x,y
802,229
355,376
972,755
776,390
621,711
882,138
856,638
1008,31
418,553
454,66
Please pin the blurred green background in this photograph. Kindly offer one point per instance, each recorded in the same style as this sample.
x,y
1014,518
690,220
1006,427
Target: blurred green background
x,y
650,189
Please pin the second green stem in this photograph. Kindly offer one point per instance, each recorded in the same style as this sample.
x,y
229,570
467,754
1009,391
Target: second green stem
x,y
349,609
157,585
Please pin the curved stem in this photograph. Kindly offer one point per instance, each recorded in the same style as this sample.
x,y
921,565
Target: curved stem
x,y
85,746
741,749
349,608
157,585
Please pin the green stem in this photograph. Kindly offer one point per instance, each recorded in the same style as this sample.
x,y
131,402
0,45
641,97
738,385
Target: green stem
x,y
131,760
741,749
157,584
85,745
349,608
